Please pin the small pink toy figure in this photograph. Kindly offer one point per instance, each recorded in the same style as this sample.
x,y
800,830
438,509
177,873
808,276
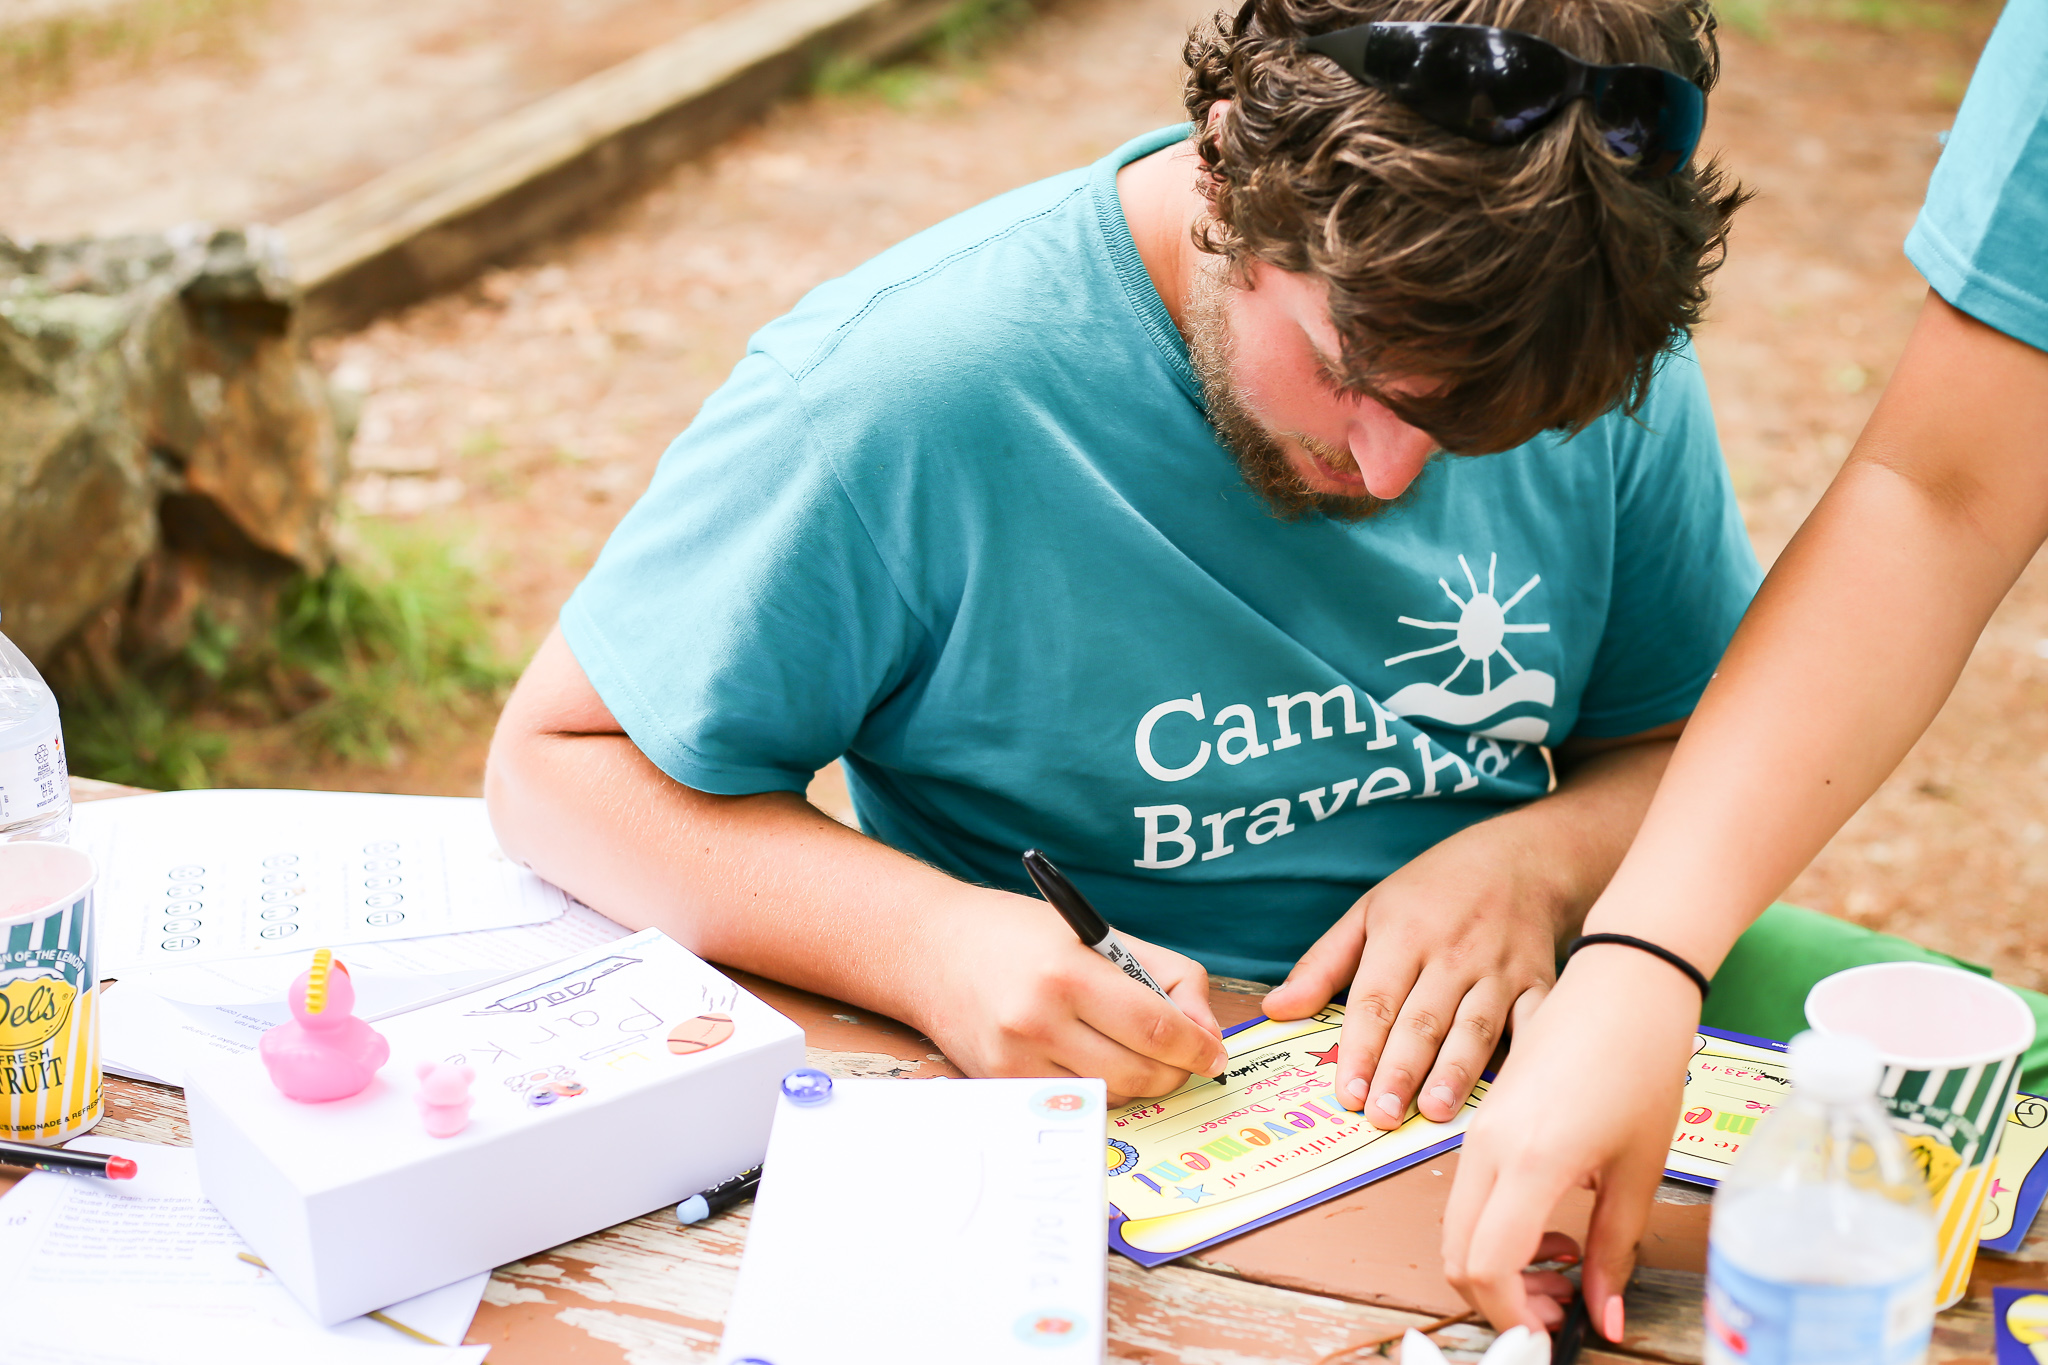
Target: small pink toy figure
x,y
444,1098
325,1053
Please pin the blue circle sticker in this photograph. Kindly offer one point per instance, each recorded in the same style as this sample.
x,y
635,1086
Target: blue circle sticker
x,y
807,1087
1050,1327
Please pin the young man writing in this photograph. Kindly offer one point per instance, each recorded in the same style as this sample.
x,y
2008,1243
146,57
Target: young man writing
x,y
1113,518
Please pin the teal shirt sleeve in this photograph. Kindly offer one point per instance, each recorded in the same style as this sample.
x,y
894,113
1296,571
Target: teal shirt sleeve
x,y
1982,237
1684,570
739,624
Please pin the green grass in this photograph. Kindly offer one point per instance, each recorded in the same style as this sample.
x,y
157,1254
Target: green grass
x,y
41,57
962,35
390,647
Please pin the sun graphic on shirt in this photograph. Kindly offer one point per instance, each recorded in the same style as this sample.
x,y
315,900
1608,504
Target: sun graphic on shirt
x,y
1481,629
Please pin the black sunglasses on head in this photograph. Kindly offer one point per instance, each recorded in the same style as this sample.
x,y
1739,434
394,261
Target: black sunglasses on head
x,y
1498,86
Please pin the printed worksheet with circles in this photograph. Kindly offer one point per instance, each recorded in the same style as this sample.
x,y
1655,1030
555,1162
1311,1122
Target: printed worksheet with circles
x,y
203,876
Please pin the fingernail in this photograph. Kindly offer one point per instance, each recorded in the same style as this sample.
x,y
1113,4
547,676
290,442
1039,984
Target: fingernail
x,y
1611,1320
1388,1105
1442,1094
1356,1090
1568,1258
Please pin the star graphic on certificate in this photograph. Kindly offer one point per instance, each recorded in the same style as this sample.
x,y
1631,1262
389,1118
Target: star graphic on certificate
x,y
1325,1058
1192,1193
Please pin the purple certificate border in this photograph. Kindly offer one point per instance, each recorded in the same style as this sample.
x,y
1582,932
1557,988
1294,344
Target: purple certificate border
x,y
2032,1190
1148,1259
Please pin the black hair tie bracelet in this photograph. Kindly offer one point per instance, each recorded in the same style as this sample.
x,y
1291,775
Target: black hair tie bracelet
x,y
1693,974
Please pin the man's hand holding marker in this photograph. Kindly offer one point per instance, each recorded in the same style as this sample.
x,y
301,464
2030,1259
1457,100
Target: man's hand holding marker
x,y
1094,932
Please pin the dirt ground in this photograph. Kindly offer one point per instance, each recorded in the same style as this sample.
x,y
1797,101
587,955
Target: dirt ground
x,y
261,109
525,413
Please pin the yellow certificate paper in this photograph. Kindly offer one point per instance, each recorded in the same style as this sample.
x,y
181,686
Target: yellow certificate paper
x,y
1734,1080
1210,1161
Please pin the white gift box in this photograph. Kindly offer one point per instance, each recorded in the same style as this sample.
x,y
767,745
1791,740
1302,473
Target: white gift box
x,y
614,1082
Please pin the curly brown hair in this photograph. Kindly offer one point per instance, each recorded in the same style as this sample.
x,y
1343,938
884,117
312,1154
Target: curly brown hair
x,y
1538,283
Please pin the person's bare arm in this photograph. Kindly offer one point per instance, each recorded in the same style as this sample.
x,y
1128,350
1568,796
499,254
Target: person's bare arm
x,y
770,884
1852,645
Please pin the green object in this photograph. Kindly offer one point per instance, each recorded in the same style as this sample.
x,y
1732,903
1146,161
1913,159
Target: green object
x,y
1762,985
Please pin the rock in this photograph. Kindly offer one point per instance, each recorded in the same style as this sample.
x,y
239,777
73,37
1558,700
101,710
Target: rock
x,y
166,446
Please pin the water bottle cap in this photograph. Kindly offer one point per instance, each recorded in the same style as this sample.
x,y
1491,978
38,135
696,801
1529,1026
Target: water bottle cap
x,y
1835,1068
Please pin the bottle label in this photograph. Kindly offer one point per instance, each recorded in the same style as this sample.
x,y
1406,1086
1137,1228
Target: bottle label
x,y
33,778
1754,1321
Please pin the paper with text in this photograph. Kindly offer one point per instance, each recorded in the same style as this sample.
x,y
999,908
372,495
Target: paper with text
x,y
101,1272
1211,1161
203,876
153,1023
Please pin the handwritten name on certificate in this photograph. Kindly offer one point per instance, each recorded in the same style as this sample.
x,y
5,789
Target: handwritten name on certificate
x,y
1210,1161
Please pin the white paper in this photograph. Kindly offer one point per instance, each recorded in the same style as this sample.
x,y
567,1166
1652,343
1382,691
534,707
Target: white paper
x,y
102,1272
152,1024
980,1201
208,875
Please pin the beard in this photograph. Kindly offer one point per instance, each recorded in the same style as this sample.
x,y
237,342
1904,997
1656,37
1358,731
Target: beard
x,y
1261,459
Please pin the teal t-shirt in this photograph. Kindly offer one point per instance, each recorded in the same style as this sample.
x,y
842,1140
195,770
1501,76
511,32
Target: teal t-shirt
x,y
960,519
1982,237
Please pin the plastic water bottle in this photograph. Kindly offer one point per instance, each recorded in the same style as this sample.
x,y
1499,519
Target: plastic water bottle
x,y
35,786
1822,1247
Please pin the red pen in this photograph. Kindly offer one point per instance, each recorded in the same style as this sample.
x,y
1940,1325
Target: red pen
x,y
69,1163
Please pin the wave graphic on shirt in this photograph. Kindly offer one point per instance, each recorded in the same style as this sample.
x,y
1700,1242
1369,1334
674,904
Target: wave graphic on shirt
x,y
1480,636
1428,701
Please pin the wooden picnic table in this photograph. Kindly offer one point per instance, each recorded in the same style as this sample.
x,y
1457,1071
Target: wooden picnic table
x,y
650,1291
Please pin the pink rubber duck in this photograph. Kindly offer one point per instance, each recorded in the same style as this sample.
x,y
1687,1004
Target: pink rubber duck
x,y
444,1097
325,1053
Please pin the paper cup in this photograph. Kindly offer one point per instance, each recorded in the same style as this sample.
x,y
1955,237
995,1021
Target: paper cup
x,y
49,1030
1951,1042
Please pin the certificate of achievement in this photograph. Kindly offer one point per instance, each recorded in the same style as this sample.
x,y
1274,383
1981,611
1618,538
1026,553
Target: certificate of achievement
x,y
1210,1161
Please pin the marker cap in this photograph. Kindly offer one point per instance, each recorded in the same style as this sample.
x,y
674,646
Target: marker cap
x,y
1061,894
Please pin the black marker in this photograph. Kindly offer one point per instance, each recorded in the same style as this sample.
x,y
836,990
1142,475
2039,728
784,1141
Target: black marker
x,y
1092,928
1571,1338
720,1197
70,1163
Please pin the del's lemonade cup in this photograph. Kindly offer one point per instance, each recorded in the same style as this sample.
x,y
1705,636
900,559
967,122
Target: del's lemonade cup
x,y
49,1030
1951,1042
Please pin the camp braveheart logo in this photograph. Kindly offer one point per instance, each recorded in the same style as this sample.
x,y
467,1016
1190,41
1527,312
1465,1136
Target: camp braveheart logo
x,y
34,1009
1480,636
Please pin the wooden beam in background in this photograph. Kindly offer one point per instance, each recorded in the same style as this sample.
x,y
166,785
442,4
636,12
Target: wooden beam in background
x,y
437,220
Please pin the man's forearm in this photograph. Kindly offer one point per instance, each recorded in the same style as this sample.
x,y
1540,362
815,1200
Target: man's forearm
x,y
765,883
769,884
1853,643
1582,830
